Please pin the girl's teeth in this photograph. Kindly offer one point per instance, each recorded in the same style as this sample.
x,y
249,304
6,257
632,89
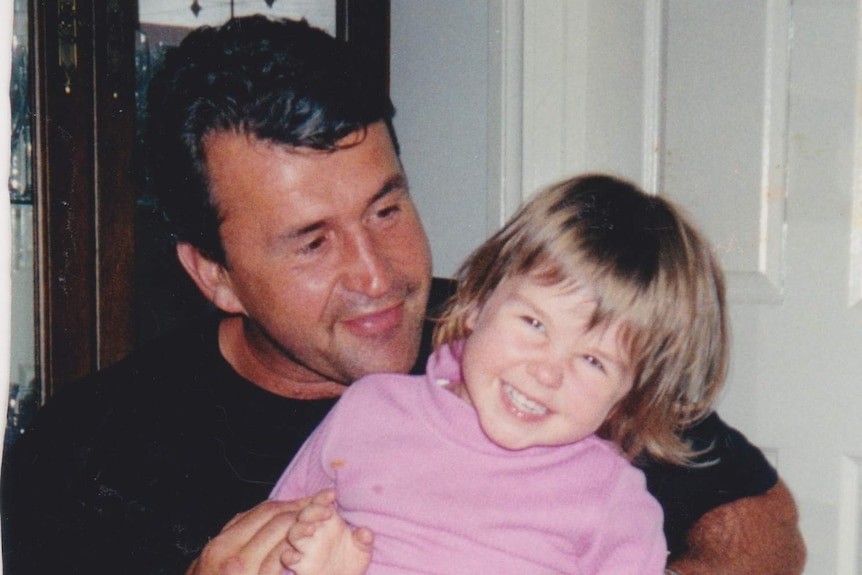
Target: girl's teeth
x,y
522,402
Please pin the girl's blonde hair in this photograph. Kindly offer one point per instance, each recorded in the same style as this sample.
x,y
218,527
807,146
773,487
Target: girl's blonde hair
x,y
654,274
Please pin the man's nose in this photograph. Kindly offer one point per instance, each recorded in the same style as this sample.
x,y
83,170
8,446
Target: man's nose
x,y
367,269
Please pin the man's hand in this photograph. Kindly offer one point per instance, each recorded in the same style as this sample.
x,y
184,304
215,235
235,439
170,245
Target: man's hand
x,y
252,543
751,536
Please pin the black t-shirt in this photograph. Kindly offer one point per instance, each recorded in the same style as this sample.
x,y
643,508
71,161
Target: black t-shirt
x,y
134,469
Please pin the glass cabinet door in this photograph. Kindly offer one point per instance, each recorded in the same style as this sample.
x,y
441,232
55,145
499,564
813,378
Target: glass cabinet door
x,y
24,388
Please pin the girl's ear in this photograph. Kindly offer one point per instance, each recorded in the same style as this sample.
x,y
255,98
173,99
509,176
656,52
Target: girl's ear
x,y
211,278
472,317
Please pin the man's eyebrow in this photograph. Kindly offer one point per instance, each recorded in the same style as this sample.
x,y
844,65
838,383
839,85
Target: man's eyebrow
x,y
396,182
307,229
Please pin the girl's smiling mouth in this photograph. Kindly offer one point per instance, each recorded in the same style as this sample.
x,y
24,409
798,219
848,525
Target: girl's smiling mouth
x,y
522,403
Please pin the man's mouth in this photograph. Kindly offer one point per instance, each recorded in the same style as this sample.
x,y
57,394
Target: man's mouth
x,y
377,322
523,403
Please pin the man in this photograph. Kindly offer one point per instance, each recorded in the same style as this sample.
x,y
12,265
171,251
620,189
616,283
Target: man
x,y
277,167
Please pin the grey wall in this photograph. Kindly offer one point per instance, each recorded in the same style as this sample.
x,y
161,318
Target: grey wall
x,y
439,86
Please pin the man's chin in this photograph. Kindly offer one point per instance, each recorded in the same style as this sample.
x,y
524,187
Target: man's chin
x,y
371,362
392,352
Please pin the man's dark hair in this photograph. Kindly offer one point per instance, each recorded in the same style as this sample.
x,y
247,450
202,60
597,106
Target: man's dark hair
x,y
280,81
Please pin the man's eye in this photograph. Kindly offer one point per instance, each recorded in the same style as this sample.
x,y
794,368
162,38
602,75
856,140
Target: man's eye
x,y
314,245
388,211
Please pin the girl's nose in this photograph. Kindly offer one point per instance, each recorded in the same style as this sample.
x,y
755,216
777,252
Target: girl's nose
x,y
548,371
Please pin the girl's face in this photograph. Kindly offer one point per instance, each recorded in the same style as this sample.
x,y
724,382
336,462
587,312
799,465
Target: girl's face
x,y
534,372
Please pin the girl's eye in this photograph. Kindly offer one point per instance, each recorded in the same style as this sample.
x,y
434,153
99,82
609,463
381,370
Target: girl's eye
x,y
534,323
594,361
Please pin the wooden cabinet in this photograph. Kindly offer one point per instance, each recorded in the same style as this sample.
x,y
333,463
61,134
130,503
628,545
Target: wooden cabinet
x,y
84,110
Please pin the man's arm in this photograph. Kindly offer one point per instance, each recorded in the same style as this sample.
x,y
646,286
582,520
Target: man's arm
x,y
729,514
749,536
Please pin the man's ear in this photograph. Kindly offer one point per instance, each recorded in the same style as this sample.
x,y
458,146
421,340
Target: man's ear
x,y
210,277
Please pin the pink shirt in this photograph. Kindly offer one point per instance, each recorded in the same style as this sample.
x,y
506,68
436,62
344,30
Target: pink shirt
x,y
409,460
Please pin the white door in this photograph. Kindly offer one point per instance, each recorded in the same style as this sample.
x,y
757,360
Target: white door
x,y
749,113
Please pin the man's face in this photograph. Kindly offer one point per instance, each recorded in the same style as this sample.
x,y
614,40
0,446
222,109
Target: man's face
x,y
326,255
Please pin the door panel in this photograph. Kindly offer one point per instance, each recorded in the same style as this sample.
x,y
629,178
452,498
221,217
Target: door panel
x,y
748,114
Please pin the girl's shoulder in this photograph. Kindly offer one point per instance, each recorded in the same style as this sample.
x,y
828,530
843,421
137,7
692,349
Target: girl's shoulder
x,y
381,388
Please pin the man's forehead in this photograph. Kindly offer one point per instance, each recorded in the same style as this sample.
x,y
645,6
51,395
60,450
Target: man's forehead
x,y
240,165
252,139
242,139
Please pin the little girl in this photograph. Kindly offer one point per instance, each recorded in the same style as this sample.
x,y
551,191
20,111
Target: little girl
x,y
588,331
